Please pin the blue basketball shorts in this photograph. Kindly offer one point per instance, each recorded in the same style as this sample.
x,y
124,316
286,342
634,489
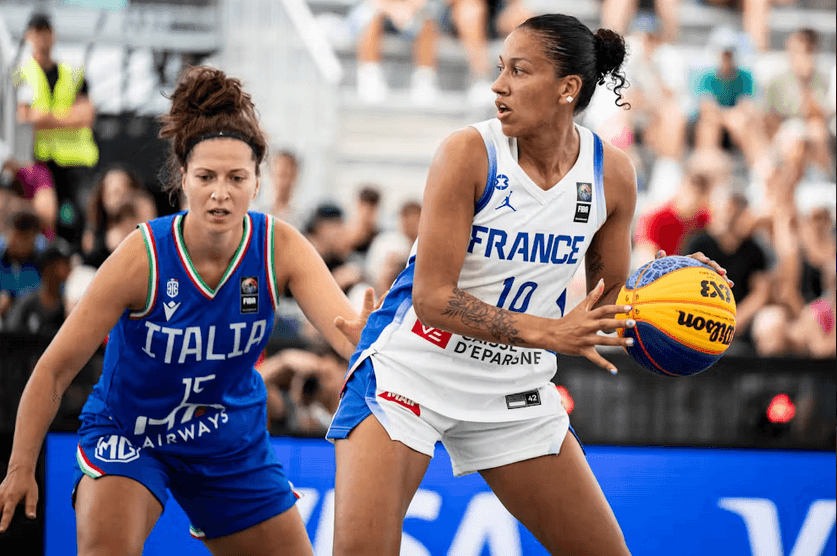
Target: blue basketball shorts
x,y
220,496
472,446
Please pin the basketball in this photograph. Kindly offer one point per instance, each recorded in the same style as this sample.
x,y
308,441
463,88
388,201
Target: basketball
x,y
684,313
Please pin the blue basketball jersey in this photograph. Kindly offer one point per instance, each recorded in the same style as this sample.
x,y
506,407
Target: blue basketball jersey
x,y
179,376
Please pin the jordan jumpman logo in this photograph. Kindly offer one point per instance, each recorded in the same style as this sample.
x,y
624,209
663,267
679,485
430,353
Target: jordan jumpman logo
x,y
506,203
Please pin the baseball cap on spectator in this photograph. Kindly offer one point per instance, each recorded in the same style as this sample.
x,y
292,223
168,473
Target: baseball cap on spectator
x,y
323,212
724,39
23,221
39,20
58,249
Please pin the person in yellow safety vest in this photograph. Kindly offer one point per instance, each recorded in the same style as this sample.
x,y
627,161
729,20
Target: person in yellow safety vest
x,y
53,98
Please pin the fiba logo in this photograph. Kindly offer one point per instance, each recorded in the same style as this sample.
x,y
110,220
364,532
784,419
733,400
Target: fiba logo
x,y
501,182
249,295
172,287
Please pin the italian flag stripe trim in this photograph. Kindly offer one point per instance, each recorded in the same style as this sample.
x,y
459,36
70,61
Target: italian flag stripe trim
x,y
153,278
196,533
180,245
270,261
88,468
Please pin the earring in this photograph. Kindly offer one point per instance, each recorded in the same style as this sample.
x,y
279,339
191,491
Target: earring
x,y
569,99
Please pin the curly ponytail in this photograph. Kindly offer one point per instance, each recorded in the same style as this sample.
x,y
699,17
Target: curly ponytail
x,y
610,55
575,50
206,103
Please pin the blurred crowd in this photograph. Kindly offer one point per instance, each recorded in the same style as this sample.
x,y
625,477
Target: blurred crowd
x,y
734,145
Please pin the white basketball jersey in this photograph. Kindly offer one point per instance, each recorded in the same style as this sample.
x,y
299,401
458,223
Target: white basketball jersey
x,y
525,246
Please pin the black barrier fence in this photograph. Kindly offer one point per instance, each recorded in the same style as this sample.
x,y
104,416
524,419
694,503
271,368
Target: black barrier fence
x,y
742,402
728,405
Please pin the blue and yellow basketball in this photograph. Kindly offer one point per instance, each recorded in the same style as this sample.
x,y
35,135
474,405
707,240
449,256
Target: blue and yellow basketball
x,y
684,313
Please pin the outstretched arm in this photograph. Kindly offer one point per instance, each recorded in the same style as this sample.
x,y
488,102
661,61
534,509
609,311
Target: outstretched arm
x,y
322,301
121,283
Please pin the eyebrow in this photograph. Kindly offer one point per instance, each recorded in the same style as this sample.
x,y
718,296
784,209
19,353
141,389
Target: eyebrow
x,y
202,169
517,59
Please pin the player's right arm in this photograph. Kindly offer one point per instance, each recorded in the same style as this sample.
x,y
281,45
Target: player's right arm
x,y
121,283
454,184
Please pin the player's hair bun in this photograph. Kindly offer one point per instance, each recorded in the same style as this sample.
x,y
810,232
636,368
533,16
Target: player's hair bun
x,y
207,91
205,102
610,52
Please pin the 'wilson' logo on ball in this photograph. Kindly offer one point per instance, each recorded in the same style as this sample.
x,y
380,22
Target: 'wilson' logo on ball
x,y
718,331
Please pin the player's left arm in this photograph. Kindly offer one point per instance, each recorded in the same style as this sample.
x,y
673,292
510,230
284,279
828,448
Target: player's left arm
x,y
609,256
300,267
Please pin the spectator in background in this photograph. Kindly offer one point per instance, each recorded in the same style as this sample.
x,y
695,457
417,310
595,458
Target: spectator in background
x,y
303,388
80,278
800,103
19,275
803,87
813,331
53,98
415,19
118,199
728,241
816,252
670,226
618,14
364,227
470,21
389,251
42,312
284,172
32,183
755,17
721,91
326,230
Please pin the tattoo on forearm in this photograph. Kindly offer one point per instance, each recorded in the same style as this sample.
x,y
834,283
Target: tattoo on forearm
x,y
56,397
594,263
472,312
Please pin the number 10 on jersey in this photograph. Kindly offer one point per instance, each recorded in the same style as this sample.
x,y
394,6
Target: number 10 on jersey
x,y
523,295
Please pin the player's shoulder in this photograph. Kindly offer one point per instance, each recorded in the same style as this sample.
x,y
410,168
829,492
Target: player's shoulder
x,y
285,235
618,169
617,164
462,153
465,142
134,249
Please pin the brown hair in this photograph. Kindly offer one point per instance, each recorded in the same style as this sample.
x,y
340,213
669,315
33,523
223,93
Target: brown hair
x,y
206,103
809,37
96,216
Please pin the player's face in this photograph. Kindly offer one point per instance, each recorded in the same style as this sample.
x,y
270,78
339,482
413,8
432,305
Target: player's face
x,y
527,88
220,181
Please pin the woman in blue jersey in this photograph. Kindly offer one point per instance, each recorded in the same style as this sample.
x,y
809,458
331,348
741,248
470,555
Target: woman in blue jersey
x,y
187,302
459,350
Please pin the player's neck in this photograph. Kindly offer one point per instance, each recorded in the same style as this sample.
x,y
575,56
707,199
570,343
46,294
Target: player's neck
x,y
551,154
205,245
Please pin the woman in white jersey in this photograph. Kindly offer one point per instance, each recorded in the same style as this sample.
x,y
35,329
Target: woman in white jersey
x,y
460,350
